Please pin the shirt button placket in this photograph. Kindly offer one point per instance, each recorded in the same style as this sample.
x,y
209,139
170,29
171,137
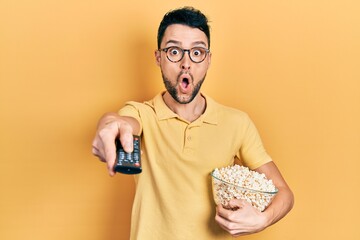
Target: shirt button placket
x,y
189,140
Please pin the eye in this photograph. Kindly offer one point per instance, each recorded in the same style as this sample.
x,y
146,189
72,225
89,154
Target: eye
x,y
197,52
174,51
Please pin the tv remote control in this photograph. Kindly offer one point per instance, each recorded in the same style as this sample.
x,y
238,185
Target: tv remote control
x,y
128,163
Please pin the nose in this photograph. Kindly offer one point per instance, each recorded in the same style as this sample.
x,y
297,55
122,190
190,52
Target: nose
x,y
186,61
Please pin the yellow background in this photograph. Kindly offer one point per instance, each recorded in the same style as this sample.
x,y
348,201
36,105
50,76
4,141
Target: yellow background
x,y
292,65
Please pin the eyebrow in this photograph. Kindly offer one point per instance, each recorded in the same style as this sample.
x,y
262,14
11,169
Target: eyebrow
x,y
178,42
200,43
172,41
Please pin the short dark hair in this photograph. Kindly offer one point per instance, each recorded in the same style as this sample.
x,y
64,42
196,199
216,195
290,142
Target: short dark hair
x,y
188,16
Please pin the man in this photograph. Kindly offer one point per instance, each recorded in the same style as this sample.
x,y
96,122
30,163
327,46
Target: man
x,y
185,135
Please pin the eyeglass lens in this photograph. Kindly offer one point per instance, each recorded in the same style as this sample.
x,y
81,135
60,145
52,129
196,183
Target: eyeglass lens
x,y
197,54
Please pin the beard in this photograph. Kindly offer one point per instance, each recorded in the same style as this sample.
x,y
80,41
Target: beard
x,y
172,88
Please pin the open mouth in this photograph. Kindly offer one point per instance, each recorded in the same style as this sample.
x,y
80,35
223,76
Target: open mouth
x,y
185,82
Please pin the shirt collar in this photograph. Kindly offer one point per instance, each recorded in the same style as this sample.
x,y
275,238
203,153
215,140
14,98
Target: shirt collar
x,y
163,112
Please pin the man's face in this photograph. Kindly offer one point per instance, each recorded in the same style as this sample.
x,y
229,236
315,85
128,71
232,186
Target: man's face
x,y
183,79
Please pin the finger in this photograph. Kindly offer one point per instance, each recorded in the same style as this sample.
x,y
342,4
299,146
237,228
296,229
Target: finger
x,y
219,207
126,137
227,224
107,136
127,142
110,159
232,210
223,212
96,150
236,204
96,153
221,221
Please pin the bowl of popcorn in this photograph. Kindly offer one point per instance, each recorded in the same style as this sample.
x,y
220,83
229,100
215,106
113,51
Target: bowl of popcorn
x,y
239,182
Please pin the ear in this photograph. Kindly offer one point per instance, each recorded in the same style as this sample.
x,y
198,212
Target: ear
x,y
157,57
209,59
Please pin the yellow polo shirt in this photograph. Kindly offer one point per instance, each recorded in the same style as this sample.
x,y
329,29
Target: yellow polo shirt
x,y
173,197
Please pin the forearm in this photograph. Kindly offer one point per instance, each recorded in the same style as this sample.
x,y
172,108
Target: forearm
x,y
284,199
107,118
114,117
246,219
280,206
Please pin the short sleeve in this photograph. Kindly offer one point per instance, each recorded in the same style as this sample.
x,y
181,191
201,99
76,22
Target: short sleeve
x,y
252,152
132,109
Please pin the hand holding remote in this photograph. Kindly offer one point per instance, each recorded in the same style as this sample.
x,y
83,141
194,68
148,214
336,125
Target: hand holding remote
x,y
111,127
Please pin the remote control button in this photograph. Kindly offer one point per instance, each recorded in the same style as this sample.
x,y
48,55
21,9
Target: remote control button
x,y
129,163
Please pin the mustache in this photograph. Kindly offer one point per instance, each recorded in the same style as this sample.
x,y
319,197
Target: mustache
x,y
187,73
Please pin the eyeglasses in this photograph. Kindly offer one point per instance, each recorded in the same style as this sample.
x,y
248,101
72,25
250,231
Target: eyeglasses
x,y
175,54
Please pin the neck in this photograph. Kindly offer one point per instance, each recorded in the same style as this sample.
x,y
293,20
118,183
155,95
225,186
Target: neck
x,y
190,111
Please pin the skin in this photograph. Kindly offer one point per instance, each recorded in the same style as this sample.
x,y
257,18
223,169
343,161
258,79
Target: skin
x,y
183,82
188,102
